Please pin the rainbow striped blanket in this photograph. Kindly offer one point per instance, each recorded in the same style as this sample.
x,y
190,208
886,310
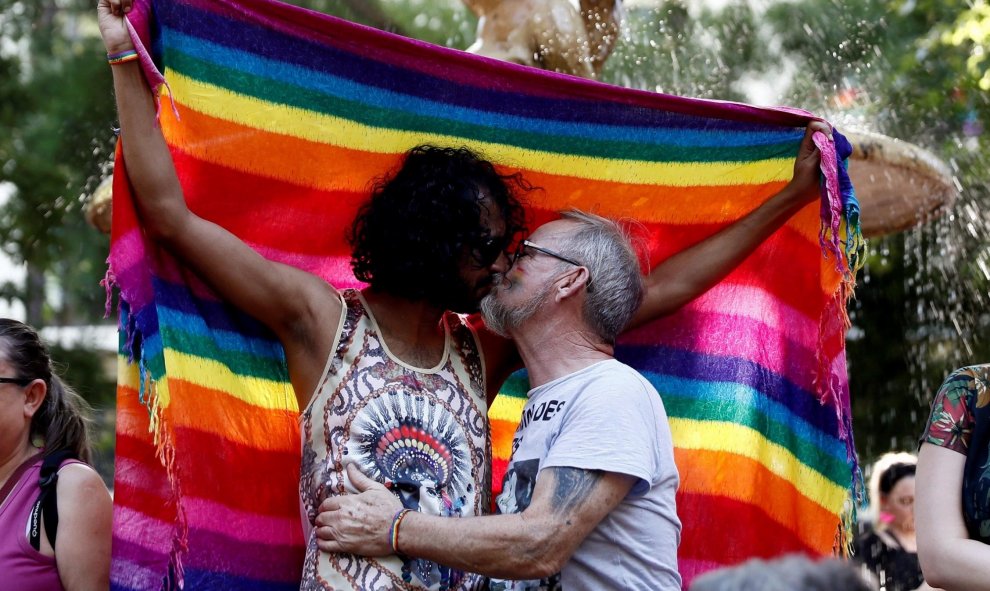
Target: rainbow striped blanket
x,y
278,118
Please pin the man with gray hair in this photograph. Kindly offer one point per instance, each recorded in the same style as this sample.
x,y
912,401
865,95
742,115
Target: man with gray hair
x,y
588,500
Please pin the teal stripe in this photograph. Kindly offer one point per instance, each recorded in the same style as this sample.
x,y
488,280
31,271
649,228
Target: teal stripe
x,y
740,405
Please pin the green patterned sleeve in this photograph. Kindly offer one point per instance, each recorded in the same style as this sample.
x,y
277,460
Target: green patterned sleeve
x,y
950,424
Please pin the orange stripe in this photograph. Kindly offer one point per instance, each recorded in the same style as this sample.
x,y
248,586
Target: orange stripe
x,y
738,477
196,407
333,168
502,433
272,155
654,203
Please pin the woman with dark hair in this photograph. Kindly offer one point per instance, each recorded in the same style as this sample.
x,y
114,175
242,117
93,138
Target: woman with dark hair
x,y
44,545
954,484
890,550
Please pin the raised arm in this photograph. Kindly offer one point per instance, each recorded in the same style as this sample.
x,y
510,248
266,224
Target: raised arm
x,y
300,308
949,559
691,272
568,503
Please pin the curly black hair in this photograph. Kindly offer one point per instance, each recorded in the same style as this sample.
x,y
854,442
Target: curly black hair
x,y
410,237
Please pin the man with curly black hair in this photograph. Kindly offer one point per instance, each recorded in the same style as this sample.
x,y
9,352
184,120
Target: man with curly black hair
x,y
390,378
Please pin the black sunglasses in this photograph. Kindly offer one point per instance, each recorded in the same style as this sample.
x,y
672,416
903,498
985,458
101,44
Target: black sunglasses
x,y
19,381
488,250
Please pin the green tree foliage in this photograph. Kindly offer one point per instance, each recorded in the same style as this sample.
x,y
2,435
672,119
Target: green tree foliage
x,y
56,110
55,143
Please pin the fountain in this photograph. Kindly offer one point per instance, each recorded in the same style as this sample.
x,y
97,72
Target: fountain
x,y
550,34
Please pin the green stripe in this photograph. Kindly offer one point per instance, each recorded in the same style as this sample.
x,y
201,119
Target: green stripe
x,y
239,362
748,416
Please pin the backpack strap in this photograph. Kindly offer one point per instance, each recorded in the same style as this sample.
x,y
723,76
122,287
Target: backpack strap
x,y
47,503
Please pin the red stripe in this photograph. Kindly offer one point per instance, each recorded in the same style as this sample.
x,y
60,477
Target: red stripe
x,y
744,531
302,220
240,477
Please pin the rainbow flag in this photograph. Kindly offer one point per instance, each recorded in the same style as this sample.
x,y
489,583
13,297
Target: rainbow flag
x,y
278,119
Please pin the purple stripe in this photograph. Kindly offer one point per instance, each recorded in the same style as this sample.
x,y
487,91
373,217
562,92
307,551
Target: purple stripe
x,y
211,551
320,42
720,368
215,314
136,566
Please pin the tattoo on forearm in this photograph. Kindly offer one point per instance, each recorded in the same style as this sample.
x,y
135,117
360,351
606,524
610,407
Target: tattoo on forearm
x,y
571,488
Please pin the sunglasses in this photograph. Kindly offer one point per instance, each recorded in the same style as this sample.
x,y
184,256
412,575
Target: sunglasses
x,y
487,251
521,252
19,381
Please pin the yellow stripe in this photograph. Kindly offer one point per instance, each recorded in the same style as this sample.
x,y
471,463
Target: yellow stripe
x,y
127,372
506,408
737,439
267,394
316,127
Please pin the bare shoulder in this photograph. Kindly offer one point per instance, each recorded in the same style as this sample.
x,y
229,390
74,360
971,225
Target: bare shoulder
x,y
80,484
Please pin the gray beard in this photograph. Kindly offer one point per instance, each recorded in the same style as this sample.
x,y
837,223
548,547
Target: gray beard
x,y
502,319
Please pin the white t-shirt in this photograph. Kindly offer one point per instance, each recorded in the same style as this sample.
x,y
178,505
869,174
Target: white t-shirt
x,y
604,417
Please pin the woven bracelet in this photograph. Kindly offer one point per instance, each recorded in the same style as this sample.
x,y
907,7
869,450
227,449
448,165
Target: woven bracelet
x,y
123,57
393,538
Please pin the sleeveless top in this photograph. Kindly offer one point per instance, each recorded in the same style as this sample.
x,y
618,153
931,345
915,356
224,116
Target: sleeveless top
x,y
424,430
23,567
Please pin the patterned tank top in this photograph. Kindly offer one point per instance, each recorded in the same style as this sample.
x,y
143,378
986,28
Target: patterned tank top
x,y
425,430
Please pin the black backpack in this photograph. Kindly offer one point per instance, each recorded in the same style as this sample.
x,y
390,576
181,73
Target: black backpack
x,y
47,503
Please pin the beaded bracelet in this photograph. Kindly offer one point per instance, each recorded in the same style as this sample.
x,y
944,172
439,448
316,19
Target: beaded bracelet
x,y
122,58
393,537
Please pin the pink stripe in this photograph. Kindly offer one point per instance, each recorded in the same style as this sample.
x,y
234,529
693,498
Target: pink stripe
x,y
130,269
337,268
142,530
731,335
762,306
244,527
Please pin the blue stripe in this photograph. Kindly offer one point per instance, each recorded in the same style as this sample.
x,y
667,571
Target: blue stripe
x,y
217,314
718,368
341,88
319,57
225,340
720,393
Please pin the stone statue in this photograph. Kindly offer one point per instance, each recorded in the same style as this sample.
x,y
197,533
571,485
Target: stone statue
x,y
550,34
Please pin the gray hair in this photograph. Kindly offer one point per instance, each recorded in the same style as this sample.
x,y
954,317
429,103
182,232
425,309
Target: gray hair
x,y
615,291
786,574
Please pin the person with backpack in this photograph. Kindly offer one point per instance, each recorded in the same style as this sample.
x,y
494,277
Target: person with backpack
x,y
55,511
